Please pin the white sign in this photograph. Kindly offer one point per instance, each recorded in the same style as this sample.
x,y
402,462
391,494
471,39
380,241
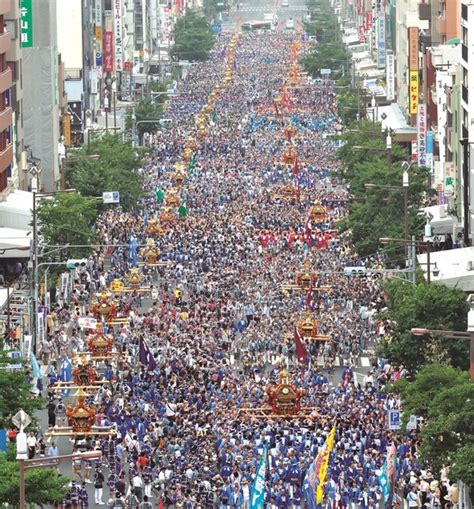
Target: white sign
x,y
390,76
394,419
21,419
98,13
27,346
87,322
421,138
118,43
325,72
381,36
112,197
412,423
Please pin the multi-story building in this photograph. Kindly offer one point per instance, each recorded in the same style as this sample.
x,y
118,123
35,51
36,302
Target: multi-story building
x,y
6,111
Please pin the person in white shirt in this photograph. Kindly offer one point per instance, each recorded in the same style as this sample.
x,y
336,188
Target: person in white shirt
x,y
31,443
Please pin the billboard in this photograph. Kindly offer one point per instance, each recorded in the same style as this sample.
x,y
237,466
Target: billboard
x,y
413,92
390,76
118,43
421,134
108,53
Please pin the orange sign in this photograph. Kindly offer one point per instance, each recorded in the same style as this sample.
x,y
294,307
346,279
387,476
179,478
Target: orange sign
x,y
413,48
414,92
98,33
67,129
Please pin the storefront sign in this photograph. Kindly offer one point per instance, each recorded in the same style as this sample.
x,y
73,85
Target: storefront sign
x,y
98,13
413,48
390,76
108,52
421,137
381,35
429,151
414,92
67,129
118,35
26,24
368,20
361,33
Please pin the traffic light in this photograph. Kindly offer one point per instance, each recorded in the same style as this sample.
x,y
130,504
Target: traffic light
x,y
355,271
76,264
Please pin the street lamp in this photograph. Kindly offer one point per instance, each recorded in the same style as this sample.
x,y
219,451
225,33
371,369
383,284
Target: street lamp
x,y
34,263
450,334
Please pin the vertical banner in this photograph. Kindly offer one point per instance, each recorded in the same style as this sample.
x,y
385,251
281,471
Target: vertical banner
x,y
108,55
390,76
26,24
118,35
429,151
413,92
67,129
98,13
381,36
257,495
368,20
421,138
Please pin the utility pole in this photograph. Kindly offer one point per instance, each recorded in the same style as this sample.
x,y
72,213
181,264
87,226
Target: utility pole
x,y
465,178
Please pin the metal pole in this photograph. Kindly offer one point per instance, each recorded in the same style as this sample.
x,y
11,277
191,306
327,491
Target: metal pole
x,y
115,109
34,275
22,485
8,311
405,217
134,126
465,178
428,263
413,259
106,120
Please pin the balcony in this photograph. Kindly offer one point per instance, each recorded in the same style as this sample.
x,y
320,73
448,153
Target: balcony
x,y
5,80
464,53
6,157
5,42
5,119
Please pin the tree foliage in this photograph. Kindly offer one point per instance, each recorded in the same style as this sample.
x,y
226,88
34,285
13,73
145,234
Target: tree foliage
x,y
42,486
67,218
114,170
14,393
193,37
443,396
148,113
431,306
376,213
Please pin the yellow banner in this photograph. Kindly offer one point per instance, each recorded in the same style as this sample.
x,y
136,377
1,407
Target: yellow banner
x,y
413,88
325,453
67,129
98,33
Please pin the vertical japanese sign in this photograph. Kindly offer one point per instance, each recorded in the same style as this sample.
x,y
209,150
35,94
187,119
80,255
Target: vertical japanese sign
x,y
381,36
368,20
26,24
413,92
118,35
67,129
429,151
108,55
413,85
421,138
98,13
390,76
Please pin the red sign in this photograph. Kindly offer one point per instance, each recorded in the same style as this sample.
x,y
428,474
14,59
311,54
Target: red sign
x,y
368,20
361,33
108,52
127,65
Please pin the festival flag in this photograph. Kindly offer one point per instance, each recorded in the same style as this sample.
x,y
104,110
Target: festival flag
x,y
313,484
296,167
133,251
65,373
160,503
308,231
159,195
383,483
35,366
301,352
325,453
257,495
145,356
145,219
286,97
192,164
182,210
310,297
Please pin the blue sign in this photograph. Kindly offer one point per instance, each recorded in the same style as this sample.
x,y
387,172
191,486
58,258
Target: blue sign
x,y
257,495
216,28
394,419
381,45
99,59
3,440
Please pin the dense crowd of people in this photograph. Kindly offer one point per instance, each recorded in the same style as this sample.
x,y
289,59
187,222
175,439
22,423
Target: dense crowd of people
x,y
218,324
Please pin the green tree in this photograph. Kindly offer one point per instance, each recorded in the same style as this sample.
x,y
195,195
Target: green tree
x,y
114,170
42,486
67,218
330,55
193,37
161,87
443,396
431,306
14,392
148,113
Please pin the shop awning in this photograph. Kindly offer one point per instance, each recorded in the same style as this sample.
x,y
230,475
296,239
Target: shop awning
x,y
16,211
14,243
454,267
441,222
390,116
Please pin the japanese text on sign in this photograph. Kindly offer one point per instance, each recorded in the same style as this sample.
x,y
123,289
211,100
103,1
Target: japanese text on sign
x,y
26,24
413,92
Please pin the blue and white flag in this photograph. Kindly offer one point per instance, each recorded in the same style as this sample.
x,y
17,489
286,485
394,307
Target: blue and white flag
x,y
383,483
65,373
133,250
35,366
257,495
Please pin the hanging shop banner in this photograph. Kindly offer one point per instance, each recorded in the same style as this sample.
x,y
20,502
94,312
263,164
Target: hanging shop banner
x,y
368,20
26,24
381,40
421,138
429,151
118,35
98,13
390,76
413,48
414,92
108,55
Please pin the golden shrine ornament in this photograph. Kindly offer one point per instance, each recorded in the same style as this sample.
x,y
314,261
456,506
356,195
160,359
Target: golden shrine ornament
x,y
284,397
